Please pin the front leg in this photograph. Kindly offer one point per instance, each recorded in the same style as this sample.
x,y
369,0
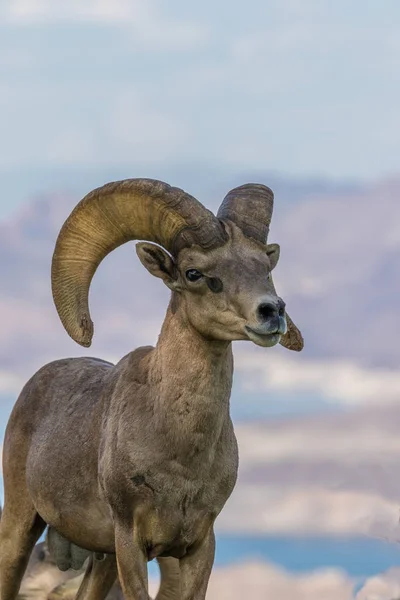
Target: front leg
x,y
196,569
131,562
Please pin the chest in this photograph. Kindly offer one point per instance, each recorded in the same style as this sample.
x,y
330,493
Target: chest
x,y
165,464
180,504
173,498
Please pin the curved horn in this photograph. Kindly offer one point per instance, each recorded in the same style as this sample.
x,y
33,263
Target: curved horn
x,y
250,207
109,216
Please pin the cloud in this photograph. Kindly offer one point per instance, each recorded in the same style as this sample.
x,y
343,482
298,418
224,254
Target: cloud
x,y
342,381
349,439
385,586
261,580
60,10
309,510
143,16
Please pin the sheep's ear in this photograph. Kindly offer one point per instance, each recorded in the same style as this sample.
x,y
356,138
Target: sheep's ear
x,y
158,262
273,251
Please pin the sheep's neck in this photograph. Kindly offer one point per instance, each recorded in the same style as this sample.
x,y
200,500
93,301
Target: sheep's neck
x,y
193,376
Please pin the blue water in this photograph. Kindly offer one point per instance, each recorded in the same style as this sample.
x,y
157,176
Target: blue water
x,y
359,557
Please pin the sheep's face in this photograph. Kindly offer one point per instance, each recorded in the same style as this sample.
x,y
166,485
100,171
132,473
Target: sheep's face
x,y
227,293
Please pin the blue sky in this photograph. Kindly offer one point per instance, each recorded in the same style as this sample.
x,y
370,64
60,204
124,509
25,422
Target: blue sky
x,y
306,87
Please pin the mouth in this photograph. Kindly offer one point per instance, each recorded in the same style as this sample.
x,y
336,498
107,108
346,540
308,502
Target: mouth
x,y
266,340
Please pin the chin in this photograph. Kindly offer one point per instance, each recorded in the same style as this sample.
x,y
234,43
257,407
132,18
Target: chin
x,y
266,341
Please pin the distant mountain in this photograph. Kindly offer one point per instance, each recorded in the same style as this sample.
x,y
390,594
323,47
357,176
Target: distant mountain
x,y
206,181
338,274
340,269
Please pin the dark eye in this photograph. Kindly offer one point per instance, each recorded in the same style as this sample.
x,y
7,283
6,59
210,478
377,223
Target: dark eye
x,y
193,275
42,555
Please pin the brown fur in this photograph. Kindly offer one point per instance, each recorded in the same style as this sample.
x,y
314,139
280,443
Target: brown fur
x,y
138,459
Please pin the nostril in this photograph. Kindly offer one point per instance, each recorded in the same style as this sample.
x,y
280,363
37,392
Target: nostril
x,y
267,311
281,306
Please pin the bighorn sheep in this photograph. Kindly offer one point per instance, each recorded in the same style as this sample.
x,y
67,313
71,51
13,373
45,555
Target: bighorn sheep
x,y
135,461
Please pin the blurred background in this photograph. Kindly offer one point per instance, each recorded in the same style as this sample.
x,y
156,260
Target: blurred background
x,y
304,97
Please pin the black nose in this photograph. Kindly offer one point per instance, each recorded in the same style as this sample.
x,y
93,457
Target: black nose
x,y
271,310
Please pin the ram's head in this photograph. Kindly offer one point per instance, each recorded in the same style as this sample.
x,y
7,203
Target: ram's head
x,y
218,267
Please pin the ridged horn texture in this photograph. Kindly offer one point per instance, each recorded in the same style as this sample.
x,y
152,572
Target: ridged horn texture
x,y
250,207
133,209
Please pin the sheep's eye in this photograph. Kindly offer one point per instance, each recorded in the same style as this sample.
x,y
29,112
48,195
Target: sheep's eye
x,y
193,275
42,555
